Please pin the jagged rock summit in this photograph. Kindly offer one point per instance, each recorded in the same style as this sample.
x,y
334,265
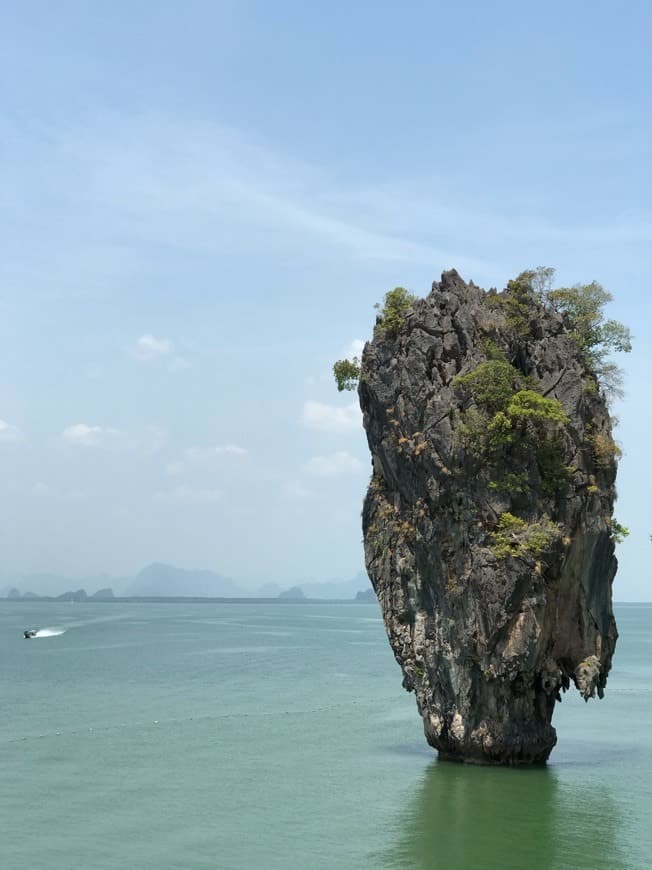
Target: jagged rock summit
x,y
488,519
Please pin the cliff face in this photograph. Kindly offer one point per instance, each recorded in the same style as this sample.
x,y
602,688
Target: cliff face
x,y
487,523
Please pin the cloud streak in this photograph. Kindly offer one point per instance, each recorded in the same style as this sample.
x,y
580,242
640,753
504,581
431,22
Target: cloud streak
x,y
148,347
331,418
205,458
9,433
190,495
333,465
201,186
87,435
155,181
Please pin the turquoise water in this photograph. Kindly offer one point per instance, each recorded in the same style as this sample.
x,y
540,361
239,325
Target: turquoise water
x,y
277,736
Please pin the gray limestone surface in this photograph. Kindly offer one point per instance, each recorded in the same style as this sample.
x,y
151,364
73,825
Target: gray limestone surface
x,y
486,643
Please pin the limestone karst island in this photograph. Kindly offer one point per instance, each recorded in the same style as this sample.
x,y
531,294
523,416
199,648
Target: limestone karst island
x,y
488,522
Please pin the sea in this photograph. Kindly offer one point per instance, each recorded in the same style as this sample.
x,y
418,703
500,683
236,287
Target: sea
x,y
256,736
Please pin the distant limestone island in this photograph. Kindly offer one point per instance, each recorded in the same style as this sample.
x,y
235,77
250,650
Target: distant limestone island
x,y
316,592
294,593
78,595
160,580
366,596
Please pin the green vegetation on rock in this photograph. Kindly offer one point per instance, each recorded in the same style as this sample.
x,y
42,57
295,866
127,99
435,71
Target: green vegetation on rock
x,y
390,322
393,311
510,417
511,481
531,407
604,449
491,384
487,510
521,296
514,537
347,373
618,531
582,305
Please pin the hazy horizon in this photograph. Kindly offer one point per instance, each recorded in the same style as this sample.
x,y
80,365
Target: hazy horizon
x,y
210,583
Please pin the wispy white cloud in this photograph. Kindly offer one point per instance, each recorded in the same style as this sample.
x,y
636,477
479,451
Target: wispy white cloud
x,y
93,435
154,180
295,490
205,457
190,495
331,418
86,435
354,349
42,490
333,465
197,185
149,347
9,432
230,450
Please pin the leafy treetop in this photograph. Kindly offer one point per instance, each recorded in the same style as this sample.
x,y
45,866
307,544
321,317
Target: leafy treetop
x,y
514,537
532,406
390,323
583,306
491,384
392,313
347,373
618,531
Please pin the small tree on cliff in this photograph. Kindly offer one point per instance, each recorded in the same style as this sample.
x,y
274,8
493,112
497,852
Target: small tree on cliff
x,y
393,311
582,305
347,373
390,322
583,308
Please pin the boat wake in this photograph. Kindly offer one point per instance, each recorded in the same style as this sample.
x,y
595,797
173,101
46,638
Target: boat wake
x,y
49,632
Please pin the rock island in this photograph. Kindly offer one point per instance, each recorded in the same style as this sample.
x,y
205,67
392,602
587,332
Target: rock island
x,y
488,522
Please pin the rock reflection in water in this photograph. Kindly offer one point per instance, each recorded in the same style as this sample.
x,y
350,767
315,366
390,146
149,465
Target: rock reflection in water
x,y
471,818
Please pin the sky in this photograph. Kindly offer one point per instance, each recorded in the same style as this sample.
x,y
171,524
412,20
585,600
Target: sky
x,y
201,202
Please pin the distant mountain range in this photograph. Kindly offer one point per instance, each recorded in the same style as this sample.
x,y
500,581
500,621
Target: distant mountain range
x,y
166,580
334,588
162,580
14,594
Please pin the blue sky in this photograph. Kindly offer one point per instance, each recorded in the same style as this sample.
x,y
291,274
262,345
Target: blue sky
x,y
201,203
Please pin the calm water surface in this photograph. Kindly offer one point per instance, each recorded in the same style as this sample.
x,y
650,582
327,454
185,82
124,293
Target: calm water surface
x,y
234,736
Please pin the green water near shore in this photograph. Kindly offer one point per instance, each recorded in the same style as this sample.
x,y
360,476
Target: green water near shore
x,y
277,736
